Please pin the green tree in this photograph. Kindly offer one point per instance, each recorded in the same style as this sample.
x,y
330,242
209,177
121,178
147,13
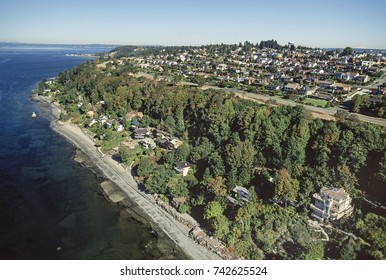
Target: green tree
x,y
357,101
217,185
213,210
129,155
347,51
313,250
347,180
216,164
41,87
182,153
372,228
287,188
170,124
145,167
157,181
240,159
177,187
349,250
220,225
203,150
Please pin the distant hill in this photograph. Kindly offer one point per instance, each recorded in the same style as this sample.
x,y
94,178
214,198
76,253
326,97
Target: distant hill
x,y
28,45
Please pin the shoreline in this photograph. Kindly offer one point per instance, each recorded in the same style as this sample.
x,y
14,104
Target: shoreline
x,y
160,220
82,55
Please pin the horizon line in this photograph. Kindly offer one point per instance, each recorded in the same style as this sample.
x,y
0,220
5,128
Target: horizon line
x,y
177,45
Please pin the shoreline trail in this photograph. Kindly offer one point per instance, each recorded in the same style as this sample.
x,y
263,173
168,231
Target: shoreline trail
x,y
159,218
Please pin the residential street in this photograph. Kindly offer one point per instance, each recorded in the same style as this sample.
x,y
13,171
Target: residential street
x,y
326,111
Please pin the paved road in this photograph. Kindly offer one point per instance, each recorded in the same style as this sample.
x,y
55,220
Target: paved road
x,y
325,111
381,80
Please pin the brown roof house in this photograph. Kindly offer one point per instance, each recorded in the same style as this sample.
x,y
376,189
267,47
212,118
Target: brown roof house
x,y
331,204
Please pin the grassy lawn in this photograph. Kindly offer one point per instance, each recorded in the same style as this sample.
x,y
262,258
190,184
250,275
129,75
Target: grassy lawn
x,y
112,140
315,102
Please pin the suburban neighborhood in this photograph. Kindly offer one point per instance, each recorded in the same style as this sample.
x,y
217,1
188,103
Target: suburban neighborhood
x,y
318,77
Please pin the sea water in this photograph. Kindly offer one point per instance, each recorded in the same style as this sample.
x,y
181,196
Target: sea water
x,y
50,206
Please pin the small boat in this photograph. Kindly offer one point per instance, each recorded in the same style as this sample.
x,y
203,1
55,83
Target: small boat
x,y
33,115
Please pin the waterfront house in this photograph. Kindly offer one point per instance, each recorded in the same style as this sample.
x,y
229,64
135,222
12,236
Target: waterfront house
x,y
91,122
331,204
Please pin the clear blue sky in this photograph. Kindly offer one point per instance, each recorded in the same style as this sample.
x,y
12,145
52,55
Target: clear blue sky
x,y
330,23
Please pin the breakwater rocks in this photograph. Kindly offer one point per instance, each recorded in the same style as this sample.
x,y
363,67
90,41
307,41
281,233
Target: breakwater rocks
x,y
196,233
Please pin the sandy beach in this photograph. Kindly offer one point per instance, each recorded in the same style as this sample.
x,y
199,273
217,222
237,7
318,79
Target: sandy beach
x,y
112,170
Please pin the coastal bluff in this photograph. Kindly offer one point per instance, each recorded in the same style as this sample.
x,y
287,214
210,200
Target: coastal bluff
x,y
161,220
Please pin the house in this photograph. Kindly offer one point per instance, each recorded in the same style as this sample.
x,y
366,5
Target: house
x,y
340,87
182,167
307,90
338,75
90,114
109,123
323,96
148,143
349,76
287,79
168,143
325,84
134,124
269,76
362,78
120,128
331,204
239,195
91,122
141,133
273,87
174,143
291,87
249,81
102,119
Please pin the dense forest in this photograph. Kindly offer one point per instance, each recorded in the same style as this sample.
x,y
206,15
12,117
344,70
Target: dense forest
x,y
281,154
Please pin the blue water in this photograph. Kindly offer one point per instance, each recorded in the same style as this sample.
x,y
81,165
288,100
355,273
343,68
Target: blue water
x,y
50,206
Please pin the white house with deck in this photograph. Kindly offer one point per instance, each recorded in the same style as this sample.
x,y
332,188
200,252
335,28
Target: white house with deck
x,y
331,204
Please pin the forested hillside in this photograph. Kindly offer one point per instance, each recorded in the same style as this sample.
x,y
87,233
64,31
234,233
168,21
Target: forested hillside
x,y
280,153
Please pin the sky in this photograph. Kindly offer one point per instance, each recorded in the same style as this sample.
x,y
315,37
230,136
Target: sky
x,y
330,23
